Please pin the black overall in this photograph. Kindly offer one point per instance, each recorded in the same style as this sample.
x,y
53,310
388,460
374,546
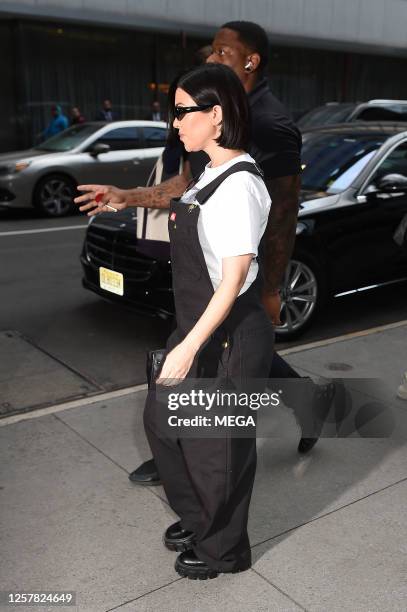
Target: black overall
x,y
208,482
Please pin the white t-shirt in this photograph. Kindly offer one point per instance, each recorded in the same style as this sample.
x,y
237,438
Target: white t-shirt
x,y
232,221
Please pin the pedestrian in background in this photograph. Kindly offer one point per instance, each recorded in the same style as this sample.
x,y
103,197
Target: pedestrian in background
x,y
76,116
58,123
155,114
107,113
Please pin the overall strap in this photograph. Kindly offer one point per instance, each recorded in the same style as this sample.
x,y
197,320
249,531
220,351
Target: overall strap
x,y
203,194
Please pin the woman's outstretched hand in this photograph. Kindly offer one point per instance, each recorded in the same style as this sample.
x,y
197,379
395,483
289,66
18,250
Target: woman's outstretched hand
x,y
101,198
176,365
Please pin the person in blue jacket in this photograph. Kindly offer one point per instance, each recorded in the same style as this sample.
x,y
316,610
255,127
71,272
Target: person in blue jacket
x,y
58,123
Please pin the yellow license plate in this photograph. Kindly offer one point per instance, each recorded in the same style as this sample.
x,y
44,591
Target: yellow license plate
x,y
111,281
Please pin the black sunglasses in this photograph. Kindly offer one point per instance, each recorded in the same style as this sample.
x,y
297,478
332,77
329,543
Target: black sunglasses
x,y
181,111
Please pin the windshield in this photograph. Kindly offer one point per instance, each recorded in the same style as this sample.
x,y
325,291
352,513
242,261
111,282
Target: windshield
x,y
331,162
69,139
325,115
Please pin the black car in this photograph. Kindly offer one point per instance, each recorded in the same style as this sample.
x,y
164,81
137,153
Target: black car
x,y
354,195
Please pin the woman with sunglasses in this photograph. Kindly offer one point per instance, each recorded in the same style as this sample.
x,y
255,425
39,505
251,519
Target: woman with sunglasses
x,y
222,329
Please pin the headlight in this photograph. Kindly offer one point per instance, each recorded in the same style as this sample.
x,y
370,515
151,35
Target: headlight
x,y
21,166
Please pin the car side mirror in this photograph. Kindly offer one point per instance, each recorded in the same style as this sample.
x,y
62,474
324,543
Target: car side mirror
x,y
99,148
392,183
387,186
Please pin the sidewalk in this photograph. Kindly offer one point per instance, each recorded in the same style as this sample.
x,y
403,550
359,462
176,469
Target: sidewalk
x,y
328,530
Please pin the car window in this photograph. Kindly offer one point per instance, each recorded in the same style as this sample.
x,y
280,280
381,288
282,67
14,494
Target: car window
x,y
382,113
332,161
154,136
120,139
69,139
325,115
394,163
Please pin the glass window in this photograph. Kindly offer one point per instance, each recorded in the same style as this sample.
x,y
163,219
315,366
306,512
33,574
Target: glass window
x,y
332,161
69,139
383,113
155,136
394,163
325,115
121,139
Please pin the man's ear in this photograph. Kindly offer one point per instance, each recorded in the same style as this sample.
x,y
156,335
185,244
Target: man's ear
x,y
255,59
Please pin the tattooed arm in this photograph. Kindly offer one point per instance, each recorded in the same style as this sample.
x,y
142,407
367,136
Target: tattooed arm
x,y
279,238
157,196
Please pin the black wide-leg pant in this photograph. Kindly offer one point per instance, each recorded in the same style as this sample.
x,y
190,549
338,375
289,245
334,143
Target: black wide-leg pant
x,y
209,481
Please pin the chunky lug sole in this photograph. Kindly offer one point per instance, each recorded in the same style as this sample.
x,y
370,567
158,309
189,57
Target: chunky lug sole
x,y
179,545
198,573
146,483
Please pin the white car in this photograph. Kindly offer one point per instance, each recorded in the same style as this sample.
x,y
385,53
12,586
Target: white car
x,y
121,153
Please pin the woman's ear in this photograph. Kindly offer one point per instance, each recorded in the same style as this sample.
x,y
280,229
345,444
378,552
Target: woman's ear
x,y
217,115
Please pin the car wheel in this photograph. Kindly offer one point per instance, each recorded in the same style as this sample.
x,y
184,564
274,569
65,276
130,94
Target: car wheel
x,y
303,294
54,195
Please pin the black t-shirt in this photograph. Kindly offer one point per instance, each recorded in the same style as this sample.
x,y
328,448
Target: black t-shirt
x,y
275,139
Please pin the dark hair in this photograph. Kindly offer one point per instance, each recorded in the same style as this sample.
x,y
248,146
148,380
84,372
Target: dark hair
x,y
173,138
254,37
218,84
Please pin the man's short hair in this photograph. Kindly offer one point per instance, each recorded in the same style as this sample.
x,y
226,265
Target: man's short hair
x,y
254,37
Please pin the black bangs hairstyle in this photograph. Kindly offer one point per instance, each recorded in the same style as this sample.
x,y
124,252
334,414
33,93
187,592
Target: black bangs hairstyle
x,y
254,37
216,84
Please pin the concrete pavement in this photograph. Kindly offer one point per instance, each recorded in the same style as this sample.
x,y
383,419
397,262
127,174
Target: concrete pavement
x,y
328,530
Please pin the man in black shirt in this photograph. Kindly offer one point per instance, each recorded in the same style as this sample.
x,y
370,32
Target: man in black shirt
x,y
276,147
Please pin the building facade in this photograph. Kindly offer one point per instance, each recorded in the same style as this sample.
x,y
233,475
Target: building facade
x,y
79,52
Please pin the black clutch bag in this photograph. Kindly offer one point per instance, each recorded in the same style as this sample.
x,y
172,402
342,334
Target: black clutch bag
x,y
155,360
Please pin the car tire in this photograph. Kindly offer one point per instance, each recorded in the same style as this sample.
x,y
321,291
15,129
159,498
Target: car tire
x,y
53,195
303,295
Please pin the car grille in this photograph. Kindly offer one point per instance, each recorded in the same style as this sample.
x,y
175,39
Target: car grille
x,y
113,249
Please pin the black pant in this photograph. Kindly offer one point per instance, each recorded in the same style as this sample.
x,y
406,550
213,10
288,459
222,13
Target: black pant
x,y
209,481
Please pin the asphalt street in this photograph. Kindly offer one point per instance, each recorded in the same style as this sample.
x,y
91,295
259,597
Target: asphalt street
x,y
105,343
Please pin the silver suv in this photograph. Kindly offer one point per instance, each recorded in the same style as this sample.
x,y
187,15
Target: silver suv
x,y
344,112
122,153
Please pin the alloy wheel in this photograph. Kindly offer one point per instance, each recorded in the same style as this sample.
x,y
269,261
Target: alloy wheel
x,y
56,196
299,295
